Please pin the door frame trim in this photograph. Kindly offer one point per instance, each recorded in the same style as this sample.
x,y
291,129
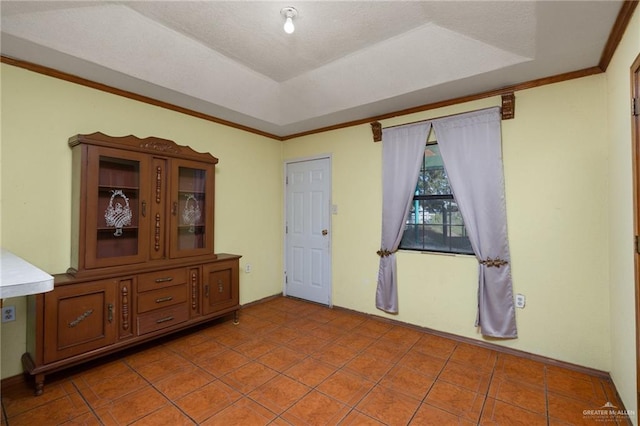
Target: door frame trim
x,y
635,142
327,156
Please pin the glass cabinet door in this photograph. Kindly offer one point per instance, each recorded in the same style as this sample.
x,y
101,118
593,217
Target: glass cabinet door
x,y
192,208
117,226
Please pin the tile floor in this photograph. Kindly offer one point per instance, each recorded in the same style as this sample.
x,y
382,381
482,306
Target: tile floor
x,y
291,362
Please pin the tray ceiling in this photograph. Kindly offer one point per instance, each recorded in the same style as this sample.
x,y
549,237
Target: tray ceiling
x,y
346,60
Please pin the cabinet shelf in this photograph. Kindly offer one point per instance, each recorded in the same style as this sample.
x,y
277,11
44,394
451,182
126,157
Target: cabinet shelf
x,y
190,192
109,188
125,229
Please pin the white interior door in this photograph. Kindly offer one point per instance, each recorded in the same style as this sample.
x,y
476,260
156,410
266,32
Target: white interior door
x,y
307,227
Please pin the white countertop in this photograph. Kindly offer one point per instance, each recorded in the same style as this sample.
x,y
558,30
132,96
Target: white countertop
x,y
20,278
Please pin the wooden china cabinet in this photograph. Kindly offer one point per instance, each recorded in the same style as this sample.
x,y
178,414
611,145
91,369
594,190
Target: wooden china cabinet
x,y
142,260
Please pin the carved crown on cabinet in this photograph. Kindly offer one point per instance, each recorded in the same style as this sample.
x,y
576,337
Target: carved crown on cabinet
x,y
149,144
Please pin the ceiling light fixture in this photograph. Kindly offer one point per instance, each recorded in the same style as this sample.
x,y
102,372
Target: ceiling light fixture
x,y
289,13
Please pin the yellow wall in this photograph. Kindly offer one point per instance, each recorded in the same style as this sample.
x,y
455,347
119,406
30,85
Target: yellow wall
x,y
620,190
568,186
555,169
39,114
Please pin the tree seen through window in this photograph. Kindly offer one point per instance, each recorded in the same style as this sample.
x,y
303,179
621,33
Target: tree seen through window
x,y
434,222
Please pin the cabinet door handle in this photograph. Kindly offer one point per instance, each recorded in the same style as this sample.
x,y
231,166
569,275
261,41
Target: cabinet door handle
x,y
206,290
220,288
110,312
81,318
164,279
174,208
161,320
164,299
144,209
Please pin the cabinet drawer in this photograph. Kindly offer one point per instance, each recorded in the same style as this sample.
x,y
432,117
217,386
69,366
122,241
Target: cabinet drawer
x,y
161,298
162,318
161,279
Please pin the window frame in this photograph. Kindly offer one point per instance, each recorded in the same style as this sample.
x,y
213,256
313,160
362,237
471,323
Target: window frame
x,y
445,198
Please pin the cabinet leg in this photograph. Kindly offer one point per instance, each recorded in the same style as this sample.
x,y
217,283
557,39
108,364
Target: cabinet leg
x,y
236,317
39,389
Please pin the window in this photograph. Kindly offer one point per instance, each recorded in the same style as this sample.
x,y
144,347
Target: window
x,y
434,222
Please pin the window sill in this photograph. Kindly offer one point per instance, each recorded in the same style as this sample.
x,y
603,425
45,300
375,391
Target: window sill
x,y
437,253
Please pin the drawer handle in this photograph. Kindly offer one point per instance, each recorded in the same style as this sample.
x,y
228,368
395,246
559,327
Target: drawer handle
x,y
164,299
164,280
220,288
161,320
110,309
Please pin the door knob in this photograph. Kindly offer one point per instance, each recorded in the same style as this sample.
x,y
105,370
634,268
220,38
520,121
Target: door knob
x,y
325,232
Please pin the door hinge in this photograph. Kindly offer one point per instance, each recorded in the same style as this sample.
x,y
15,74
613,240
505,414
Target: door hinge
x,y
636,244
286,180
635,106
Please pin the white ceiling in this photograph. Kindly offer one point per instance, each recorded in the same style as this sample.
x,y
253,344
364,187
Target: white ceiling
x,y
347,60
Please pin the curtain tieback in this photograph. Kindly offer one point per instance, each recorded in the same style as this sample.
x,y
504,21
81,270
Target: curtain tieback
x,y
385,253
490,263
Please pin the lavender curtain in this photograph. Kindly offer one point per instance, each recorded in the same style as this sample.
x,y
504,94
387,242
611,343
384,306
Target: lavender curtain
x,y
471,149
402,153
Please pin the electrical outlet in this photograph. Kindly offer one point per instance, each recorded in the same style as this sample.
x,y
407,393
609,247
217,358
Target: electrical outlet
x,y
8,313
247,268
520,301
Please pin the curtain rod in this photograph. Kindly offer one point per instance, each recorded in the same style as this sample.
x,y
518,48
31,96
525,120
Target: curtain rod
x,y
507,111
